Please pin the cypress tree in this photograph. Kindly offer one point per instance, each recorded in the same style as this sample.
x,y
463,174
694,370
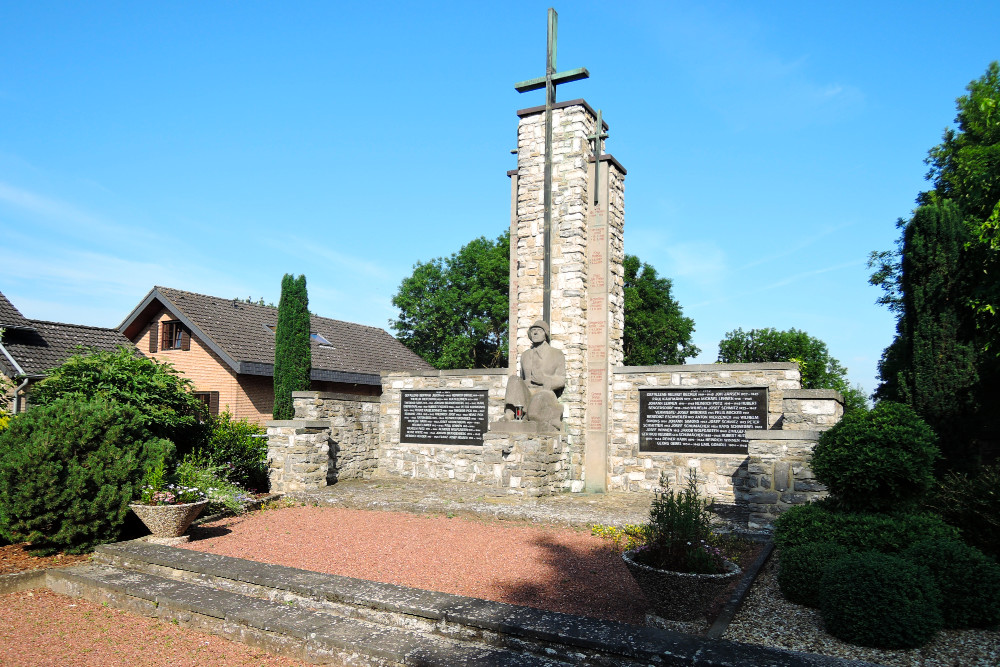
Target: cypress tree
x,y
292,356
935,351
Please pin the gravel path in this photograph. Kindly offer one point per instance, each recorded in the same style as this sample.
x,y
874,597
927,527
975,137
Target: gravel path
x,y
767,619
547,567
41,629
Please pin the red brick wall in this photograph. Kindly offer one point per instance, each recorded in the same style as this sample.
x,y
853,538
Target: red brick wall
x,y
249,397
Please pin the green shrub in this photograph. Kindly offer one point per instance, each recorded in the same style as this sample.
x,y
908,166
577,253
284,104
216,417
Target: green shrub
x,y
161,395
679,531
69,469
971,503
242,458
887,533
223,495
877,461
801,569
969,582
879,600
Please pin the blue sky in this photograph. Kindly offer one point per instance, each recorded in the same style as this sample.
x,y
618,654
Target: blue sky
x,y
215,146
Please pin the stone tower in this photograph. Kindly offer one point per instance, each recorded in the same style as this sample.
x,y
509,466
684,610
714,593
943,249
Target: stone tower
x,y
586,273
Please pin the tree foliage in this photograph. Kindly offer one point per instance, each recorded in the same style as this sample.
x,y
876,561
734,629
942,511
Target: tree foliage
x,y
819,370
943,284
156,389
931,364
453,310
292,354
656,331
69,468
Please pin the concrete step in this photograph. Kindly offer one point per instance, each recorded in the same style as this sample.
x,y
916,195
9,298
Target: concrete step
x,y
306,634
323,618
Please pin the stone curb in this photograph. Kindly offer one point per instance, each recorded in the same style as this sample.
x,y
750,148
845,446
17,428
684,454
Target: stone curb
x,y
627,642
22,581
725,616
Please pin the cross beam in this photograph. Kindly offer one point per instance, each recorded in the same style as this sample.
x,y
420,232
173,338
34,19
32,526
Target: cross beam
x,y
549,82
597,136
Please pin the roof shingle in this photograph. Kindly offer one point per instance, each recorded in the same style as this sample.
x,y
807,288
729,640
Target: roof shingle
x,y
241,330
51,343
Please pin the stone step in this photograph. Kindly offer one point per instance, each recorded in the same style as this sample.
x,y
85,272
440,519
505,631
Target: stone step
x,y
306,634
479,627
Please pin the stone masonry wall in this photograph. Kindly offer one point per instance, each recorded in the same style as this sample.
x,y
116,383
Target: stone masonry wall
x,y
571,199
718,474
298,454
354,430
462,463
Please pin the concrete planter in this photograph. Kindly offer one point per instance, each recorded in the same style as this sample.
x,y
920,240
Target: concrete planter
x,y
168,520
679,596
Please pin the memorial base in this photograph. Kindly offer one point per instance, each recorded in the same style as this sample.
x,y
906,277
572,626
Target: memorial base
x,y
526,464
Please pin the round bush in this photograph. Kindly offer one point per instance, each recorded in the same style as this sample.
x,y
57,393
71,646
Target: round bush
x,y
68,471
877,461
887,533
879,600
801,569
969,582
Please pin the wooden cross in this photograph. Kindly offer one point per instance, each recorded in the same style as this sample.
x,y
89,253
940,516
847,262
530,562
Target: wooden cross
x,y
549,83
598,134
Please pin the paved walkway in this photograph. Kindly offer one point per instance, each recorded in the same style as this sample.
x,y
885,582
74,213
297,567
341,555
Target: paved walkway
x,y
423,496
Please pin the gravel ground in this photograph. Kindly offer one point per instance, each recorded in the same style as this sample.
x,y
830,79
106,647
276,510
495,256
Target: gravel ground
x,y
767,619
41,629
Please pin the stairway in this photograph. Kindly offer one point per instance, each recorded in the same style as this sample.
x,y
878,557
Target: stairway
x,y
329,619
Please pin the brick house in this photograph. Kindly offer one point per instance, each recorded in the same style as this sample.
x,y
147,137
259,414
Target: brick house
x,y
226,347
30,348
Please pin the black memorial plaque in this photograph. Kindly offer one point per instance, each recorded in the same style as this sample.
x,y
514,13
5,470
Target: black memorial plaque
x,y
711,420
443,416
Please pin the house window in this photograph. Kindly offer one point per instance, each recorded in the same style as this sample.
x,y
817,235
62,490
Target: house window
x,y
175,337
210,399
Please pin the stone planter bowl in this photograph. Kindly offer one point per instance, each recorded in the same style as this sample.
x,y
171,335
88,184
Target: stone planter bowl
x,y
168,520
679,596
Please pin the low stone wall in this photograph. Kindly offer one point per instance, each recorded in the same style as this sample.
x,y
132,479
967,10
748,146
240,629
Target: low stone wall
x,y
718,474
778,474
811,409
354,428
460,462
298,454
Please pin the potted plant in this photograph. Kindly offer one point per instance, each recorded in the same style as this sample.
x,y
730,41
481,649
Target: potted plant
x,y
166,508
676,563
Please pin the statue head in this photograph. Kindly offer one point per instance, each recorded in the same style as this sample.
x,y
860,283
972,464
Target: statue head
x,y
540,324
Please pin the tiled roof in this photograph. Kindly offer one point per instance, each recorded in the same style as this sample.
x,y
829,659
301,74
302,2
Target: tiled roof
x,y
11,317
240,330
51,343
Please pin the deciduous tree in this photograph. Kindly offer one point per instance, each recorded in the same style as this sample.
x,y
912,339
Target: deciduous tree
x,y
656,331
819,370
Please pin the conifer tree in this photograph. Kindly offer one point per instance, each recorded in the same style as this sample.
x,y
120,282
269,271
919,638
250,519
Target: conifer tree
x,y
292,356
932,363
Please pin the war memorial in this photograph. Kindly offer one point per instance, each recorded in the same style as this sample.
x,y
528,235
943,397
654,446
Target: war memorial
x,y
567,416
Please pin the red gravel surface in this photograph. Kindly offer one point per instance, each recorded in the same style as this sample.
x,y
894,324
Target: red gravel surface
x,y
41,629
557,569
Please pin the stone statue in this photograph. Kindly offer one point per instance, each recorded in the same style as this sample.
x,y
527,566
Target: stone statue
x,y
534,395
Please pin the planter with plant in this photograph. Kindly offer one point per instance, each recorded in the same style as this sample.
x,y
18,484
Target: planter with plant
x,y
677,560
167,508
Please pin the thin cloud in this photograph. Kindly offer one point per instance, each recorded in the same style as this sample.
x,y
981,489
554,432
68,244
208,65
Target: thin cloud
x,y
791,250
45,207
781,283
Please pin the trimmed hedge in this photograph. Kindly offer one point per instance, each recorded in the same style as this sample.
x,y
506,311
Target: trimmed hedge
x,y
69,469
969,582
887,533
877,461
880,600
801,569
